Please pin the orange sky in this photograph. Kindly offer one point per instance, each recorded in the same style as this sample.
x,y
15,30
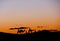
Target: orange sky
x,y
29,13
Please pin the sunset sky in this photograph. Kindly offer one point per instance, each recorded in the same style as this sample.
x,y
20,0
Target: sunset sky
x,y
29,13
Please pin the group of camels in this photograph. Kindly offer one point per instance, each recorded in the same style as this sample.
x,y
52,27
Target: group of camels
x,y
24,30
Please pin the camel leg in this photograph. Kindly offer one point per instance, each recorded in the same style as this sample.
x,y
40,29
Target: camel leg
x,y
17,32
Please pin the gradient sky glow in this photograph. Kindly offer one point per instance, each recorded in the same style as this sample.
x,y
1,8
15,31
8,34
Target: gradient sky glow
x,y
29,13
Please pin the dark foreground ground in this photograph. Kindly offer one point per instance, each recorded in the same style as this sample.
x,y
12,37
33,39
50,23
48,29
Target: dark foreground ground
x,y
38,36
